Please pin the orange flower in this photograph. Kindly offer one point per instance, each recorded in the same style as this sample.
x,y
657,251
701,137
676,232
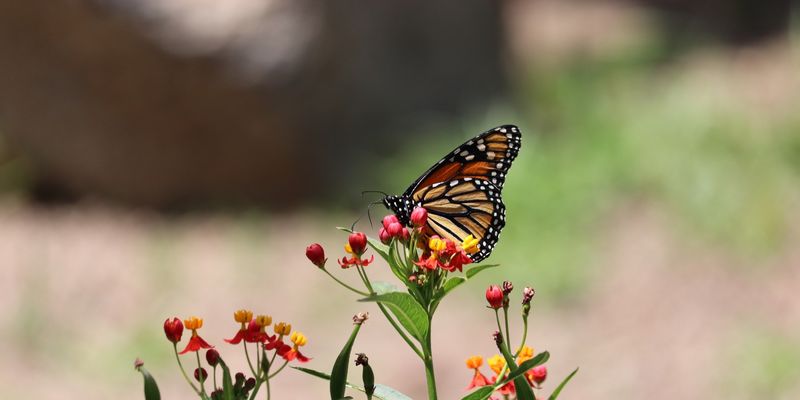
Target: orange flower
x,y
478,379
196,342
294,354
243,317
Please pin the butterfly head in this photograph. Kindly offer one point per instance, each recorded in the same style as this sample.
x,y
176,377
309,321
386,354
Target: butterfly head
x,y
401,206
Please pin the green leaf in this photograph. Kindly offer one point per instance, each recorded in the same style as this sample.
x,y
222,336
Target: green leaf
x,y
339,372
563,383
481,394
474,270
381,287
382,392
407,311
380,248
540,359
150,387
451,284
524,391
227,382
395,264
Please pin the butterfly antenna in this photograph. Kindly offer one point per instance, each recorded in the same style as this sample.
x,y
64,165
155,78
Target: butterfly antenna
x,y
373,191
353,227
369,207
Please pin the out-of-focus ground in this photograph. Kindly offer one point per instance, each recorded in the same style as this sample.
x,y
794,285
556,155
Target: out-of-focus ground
x,y
654,206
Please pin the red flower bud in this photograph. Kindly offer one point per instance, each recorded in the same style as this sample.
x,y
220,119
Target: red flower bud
x,y
507,287
419,216
173,329
404,235
539,373
316,254
384,236
200,374
494,296
389,219
394,229
212,357
358,242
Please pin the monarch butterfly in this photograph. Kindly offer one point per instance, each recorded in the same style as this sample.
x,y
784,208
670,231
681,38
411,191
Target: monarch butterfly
x,y
461,192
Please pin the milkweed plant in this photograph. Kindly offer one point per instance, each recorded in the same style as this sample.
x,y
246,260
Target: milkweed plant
x,y
429,268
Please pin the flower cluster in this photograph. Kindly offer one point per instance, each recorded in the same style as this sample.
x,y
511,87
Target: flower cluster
x,y
252,330
446,254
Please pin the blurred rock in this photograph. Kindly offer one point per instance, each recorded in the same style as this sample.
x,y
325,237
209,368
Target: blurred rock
x,y
187,102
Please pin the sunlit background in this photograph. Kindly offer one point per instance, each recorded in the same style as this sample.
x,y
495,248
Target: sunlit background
x,y
167,158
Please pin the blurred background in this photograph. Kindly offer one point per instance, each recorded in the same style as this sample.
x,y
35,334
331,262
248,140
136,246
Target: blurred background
x,y
174,157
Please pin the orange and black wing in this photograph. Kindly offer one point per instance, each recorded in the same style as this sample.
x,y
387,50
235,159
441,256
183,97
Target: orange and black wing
x,y
462,207
487,156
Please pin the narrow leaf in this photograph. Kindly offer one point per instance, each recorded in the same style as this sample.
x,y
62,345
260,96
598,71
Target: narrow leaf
x,y
451,284
563,383
150,387
227,382
381,287
481,394
474,270
540,359
339,372
382,392
407,311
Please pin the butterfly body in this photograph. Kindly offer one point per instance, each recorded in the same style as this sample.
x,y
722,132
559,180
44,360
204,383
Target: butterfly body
x,y
462,192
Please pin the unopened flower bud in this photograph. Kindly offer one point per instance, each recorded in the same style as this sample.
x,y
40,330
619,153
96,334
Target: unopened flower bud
x,y
384,236
212,357
527,295
419,216
316,254
494,296
359,318
200,374
389,219
249,384
507,287
361,359
405,236
173,329
498,338
358,242
394,229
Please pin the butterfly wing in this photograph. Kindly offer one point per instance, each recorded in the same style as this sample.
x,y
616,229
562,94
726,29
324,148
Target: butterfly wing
x,y
487,156
462,207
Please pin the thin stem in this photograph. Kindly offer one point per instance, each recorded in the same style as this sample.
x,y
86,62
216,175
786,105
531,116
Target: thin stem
x,y
272,375
247,355
189,381
508,333
430,377
352,289
524,336
200,373
214,371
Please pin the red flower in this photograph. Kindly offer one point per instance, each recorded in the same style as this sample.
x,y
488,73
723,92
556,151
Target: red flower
x,y
357,242
457,261
394,229
419,216
294,353
256,330
478,379
349,262
389,219
431,262
196,342
316,254
494,295
173,329
537,374
243,317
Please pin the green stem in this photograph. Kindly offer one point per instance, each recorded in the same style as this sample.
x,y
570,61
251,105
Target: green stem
x,y
247,356
508,333
189,381
272,375
430,377
200,373
215,377
524,336
352,289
